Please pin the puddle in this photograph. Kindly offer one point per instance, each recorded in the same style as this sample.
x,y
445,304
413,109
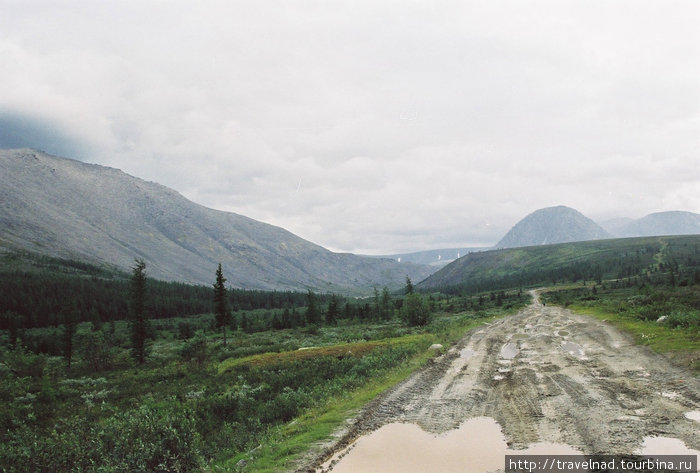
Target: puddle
x,y
477,446
573,349
509,351
563,333
693,415
654,446
467,353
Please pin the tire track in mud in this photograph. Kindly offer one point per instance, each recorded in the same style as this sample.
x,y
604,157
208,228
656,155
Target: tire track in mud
x,y
545,374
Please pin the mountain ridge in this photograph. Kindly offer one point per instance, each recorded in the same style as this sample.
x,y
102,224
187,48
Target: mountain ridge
x,y
67,208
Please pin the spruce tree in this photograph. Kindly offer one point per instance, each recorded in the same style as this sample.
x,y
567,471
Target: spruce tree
x,y
386,311
409,286
223,316
313,316
333,310
139,322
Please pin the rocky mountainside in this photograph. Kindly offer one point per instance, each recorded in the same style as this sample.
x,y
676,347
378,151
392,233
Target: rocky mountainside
x,y
69,209
662,223
552,225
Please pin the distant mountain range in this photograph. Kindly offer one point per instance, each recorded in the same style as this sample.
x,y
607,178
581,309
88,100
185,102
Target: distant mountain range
x,y
69,209
435,258
662,223
563,225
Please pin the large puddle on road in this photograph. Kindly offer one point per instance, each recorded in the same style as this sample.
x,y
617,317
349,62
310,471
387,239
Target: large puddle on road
x,y
477,446
665,446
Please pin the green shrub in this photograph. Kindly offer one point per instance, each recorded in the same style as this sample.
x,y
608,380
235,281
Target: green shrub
x,y
156,437
686,319
415,311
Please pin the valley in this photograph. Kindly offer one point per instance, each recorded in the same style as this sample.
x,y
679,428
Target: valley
x,y
560,346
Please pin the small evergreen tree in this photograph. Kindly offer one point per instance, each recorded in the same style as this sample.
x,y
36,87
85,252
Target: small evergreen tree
x,y
313,315
333,310
409,286
415,311
385,307
223,316
139,322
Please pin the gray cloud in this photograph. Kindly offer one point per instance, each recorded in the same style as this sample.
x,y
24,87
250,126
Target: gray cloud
x,y
377,126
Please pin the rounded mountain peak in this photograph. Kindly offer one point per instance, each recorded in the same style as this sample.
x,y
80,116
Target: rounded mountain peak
x,y
559,224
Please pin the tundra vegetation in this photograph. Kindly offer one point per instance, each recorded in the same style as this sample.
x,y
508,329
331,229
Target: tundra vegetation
x,y
76,395
294,366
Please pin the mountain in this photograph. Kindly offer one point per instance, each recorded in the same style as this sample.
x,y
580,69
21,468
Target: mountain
x,y
552,225
662,223
69,209
437,258
544,265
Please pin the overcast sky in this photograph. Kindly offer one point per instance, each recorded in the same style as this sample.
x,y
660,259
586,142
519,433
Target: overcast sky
x,y
369,126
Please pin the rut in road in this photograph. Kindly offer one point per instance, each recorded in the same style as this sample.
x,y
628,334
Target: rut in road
x,y
547,374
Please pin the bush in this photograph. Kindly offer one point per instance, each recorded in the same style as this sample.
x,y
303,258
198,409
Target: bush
x,y
415,311
23,362
157,437
685,319
195,350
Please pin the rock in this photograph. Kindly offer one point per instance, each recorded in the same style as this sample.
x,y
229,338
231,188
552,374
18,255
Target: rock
x,y
435,347
661,319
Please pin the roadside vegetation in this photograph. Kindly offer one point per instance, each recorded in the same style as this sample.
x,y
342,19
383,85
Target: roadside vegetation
x,y
664,317
98,395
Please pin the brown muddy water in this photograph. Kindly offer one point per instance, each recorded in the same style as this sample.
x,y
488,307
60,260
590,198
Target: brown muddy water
x,y
478,445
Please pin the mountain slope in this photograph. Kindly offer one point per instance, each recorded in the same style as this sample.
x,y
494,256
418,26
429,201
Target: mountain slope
x,y
65,208
547,264
552,225
663,223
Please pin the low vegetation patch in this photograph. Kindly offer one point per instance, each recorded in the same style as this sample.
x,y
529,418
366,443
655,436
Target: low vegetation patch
x,y
663,317
196,403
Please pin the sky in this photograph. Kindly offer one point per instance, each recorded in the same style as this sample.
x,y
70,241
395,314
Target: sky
x,y
374,126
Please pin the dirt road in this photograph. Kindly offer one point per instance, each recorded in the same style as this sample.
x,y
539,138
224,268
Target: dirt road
x,y
546,375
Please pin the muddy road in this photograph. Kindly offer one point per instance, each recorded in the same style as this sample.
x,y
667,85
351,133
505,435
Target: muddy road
x,y
545,374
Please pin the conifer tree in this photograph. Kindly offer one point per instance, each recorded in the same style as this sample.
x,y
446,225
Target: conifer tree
x,y
223,316
139,322
409,286
313,316
333,310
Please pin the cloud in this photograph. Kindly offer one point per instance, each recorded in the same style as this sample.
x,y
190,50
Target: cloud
x,y
380,126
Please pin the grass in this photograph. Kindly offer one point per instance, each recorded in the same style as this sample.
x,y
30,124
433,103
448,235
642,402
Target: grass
x,y
338,351
287,443
680,345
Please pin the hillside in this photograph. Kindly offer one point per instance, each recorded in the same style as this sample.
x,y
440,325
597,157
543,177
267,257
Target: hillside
x,y
662,223
591,260
552,225
69,209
